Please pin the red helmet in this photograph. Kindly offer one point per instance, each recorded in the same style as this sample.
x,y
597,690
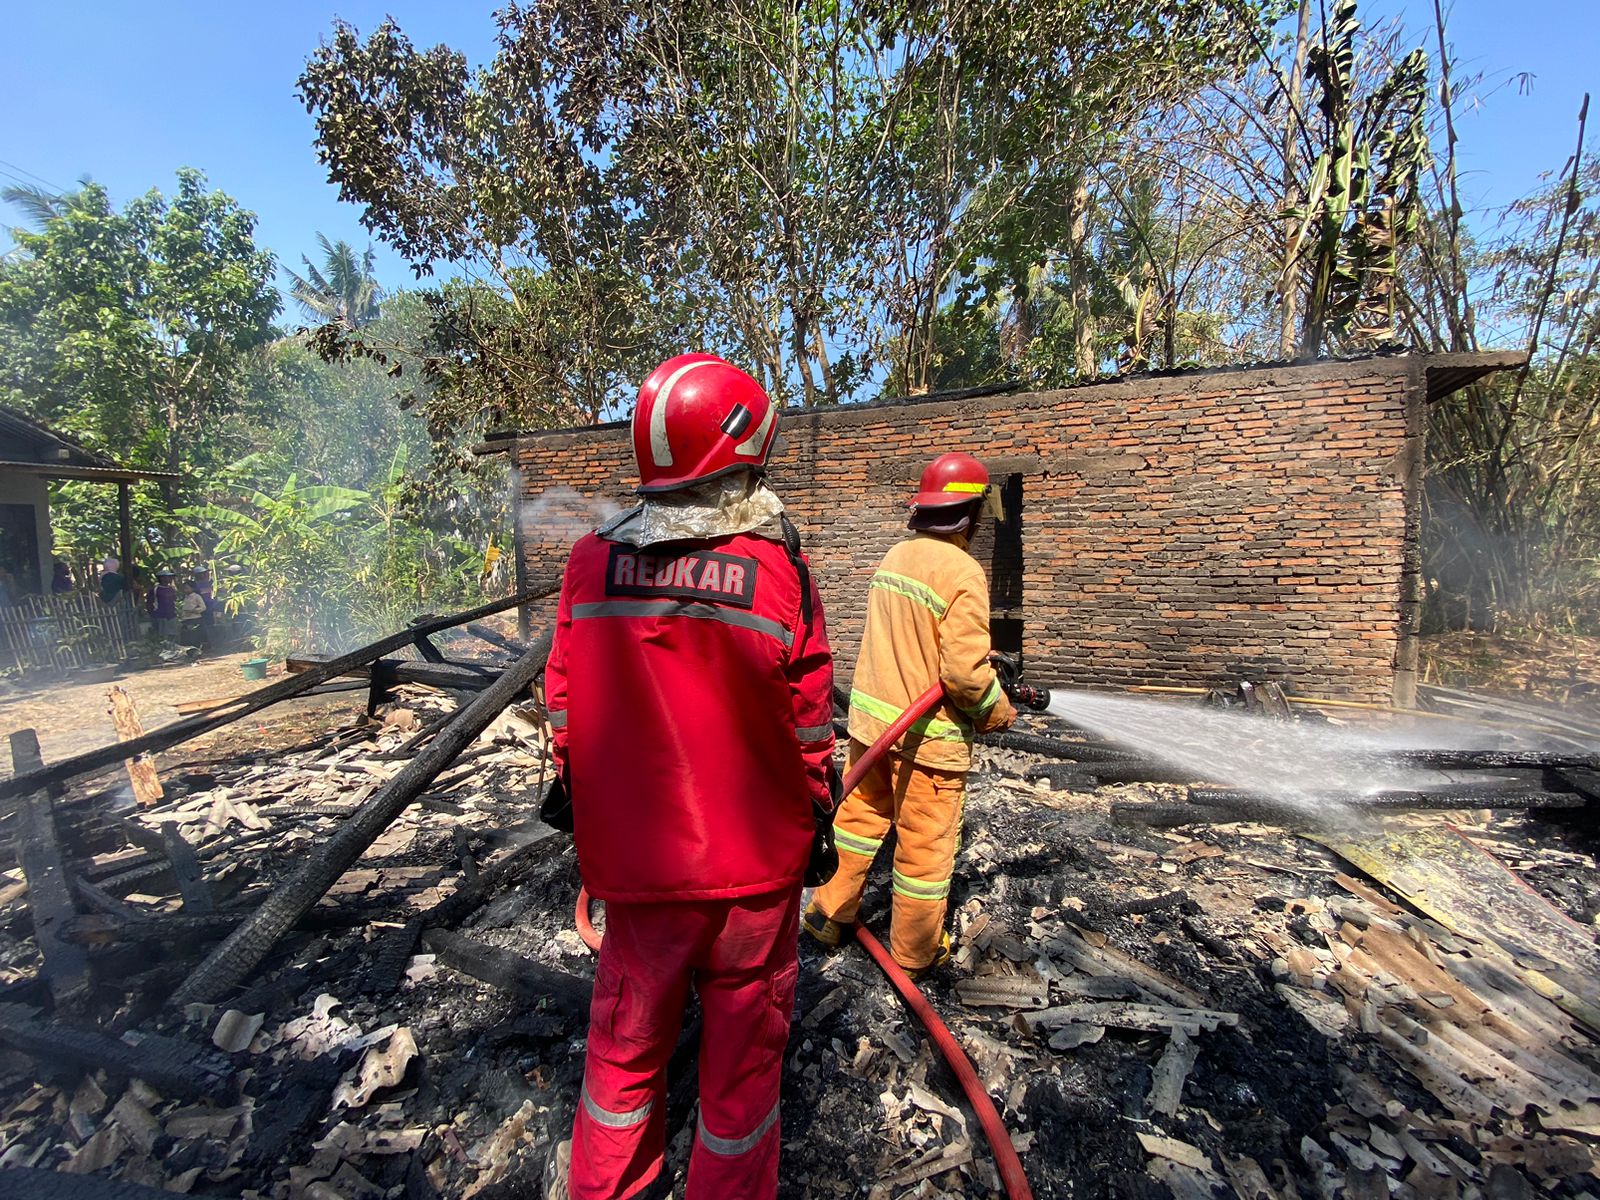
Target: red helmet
x,y
953,478
699,417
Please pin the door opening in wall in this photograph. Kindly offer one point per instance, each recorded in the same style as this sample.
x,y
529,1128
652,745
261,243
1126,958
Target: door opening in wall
x,y
998,547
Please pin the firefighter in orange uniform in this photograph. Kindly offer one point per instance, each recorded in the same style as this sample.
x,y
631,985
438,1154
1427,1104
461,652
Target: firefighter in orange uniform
x,y
927,623
689,692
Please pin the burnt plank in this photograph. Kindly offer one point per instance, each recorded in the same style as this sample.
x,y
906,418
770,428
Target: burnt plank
x,y
510,972
66,964
428,650
197,898
386,673
238,956
171,1066
388,965
479,630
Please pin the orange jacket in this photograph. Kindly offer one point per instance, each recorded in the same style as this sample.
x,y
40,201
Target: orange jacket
x,y
928,622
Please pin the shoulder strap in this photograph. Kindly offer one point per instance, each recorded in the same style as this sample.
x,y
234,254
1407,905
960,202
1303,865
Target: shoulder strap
x,y
791,543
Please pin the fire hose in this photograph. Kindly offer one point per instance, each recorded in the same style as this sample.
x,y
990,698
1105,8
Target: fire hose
x,y
1005,1155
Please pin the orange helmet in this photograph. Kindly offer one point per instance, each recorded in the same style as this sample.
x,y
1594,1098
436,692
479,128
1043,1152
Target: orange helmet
x,y
699,417
952,479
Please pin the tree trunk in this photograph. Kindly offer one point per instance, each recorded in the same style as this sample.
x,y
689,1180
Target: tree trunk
x,y
1288,337
1086,361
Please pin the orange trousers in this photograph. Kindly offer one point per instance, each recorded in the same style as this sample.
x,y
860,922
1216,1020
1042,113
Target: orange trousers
x,y
923,804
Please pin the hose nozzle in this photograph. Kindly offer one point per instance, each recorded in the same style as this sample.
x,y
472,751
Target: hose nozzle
x,y
1022,694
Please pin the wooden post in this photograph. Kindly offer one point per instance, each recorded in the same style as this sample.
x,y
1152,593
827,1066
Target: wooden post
x,y
519,543
125,526
66,964
141,771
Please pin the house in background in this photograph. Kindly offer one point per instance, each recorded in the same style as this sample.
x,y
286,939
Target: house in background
x,y
32,454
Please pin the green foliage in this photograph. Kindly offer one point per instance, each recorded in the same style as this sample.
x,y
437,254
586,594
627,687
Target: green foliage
x,y
322,567
342,289
1361,205
1513,530
774,181
128,329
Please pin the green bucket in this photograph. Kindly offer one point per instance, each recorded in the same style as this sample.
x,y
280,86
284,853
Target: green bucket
x,y
255,668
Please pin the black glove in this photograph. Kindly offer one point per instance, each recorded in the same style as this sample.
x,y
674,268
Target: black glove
x,y
556,810
824,854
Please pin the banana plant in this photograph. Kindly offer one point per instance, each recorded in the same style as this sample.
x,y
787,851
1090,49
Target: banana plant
x,y
1361,200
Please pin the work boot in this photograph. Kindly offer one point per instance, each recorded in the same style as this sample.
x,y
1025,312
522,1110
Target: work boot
x,y
557,1170
823,929
940,957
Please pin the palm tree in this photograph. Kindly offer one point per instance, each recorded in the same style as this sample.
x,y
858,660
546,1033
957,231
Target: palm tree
x,y
342,290
39,204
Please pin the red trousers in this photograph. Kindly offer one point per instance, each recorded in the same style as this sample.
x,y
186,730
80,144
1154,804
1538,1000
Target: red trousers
x,y
739,956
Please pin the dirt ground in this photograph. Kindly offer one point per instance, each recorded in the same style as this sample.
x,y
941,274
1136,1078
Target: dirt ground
x,y
72,717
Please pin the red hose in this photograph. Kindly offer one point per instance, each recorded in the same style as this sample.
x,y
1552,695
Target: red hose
x,y
586,928
920,707
1005,1155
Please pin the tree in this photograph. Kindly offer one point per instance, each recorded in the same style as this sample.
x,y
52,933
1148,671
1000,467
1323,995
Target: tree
x,y
39,204
130,329
801,186
343,289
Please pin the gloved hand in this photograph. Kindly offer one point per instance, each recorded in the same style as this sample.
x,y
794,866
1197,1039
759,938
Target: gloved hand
x,y
1002,716
1022,694
824,860
556,810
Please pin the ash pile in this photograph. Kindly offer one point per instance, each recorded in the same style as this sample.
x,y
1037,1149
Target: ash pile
x,y
1164,993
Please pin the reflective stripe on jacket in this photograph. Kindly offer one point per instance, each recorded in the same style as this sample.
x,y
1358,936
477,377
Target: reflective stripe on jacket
x,y
692,711
927,622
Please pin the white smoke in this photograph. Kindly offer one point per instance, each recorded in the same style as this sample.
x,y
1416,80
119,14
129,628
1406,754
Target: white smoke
x,y
560,515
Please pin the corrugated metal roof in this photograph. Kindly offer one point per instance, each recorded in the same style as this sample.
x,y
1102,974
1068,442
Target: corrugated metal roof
x,y
69,470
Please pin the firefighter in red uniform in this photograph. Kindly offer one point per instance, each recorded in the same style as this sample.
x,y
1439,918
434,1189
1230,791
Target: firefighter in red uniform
x,y
690,695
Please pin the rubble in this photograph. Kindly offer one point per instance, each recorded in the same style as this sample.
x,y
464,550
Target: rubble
x,y
1219,1004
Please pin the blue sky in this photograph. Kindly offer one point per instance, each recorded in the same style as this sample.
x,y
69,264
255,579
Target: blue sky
x,y
127,93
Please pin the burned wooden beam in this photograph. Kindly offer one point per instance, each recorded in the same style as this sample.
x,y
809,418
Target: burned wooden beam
x,y
284,689
173,1067
197,899
66,964
481,631
1490,760
1062,775
513,973
1158,816
1574,779
1464,795
142,775
244,949
388,965
1049,747
386,673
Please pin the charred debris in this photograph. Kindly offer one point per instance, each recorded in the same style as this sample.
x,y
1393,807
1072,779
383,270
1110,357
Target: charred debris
x,y
347,970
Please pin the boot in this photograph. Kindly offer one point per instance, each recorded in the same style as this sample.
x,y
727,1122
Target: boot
x,y
557,1169
940,957
823,929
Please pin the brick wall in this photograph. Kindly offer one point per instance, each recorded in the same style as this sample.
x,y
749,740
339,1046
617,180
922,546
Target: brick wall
x,y
1184,529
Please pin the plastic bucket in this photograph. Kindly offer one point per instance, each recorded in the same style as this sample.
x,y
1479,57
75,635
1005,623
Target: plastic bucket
x,y
255,668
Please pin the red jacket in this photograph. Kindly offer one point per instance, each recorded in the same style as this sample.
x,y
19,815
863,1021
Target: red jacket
x,y
693,711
